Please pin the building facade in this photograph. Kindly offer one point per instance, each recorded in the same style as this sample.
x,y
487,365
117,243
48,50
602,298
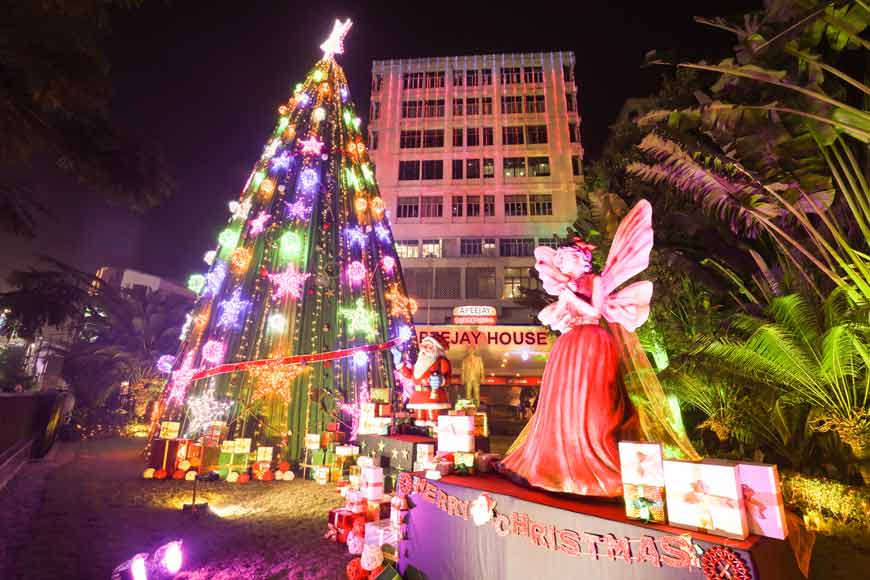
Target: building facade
x,y
129,279
479,161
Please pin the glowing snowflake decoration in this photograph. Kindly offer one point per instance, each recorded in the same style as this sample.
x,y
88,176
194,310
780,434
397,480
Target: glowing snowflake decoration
x,y
281,163
204,409
299,210
258,225
382,232
215,279
309,179
232,309
355,236
311,146
288,283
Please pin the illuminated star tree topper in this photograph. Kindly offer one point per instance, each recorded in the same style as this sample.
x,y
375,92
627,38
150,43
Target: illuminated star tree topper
x,y
335,43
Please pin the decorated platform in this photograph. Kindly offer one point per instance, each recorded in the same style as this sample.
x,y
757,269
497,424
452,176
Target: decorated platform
x,y
534,534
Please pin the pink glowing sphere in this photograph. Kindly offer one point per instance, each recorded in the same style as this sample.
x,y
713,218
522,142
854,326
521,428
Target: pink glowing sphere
x,y
213,351
356,272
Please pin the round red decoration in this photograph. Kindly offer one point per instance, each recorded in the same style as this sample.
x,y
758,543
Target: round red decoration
x,y
720,563
284,466
406,483
355,571
326,226
268,476
160,474
179,474
244,478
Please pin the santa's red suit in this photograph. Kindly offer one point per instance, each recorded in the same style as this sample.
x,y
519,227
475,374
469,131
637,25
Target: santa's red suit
x,y
430,375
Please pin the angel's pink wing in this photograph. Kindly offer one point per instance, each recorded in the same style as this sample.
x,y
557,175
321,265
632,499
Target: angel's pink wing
x,y
629,307
629,254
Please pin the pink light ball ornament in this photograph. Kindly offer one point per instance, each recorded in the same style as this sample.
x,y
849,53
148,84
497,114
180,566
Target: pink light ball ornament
x,y
388,264
356,272
165,363
213,351
360,358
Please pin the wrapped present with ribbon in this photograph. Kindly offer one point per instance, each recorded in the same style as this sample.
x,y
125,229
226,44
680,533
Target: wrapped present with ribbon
x,y
342,486
391,554
387,572
214,433
399,507
328,438
164,454
342,520
455,433
210,460
484,462
355,502
372,483
334,426
463,461
242,445
312,441
644,502
380,394
169,429
379,509
762,497
260,468
318,457
190,451
383,410
321,474
425,451
265,453
705,497
380,533
347,451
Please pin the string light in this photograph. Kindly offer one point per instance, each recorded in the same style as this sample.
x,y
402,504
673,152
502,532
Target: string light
x,y
288,283
213,351
367,172
195,283
185,328
231,309
257,178
360,320
277,322
275,380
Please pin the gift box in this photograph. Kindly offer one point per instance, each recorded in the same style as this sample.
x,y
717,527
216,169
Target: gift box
x,y
346,451
390,554
372,483
455,433
328,438
395,451
425,451
380,394
210,458
260,468
444,467
355,502
383,410
481,424
214,433
335,473
169,429
381,532
340,523
163,454
399,511
318,457
463,460
335,426
387,572
354,473
228,446
705,497
644,502
233,461
641,463
762,498
378,510
265,453
484,462
312,441
321,474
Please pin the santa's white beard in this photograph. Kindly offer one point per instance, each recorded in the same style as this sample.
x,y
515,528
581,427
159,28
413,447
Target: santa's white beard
x,y
424,361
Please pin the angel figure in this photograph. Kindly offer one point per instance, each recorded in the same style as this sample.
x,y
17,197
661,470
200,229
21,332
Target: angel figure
x,y
570,444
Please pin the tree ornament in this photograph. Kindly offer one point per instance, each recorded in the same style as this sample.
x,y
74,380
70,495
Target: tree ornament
x,y
288,283
209,257
360,204
400,304
356,236
282,162
267,188
228,239
271,148
241,258
204,409
195,283
165,363
181,378
276,380
388,264
721,563
232,309
309,179
299,210
277,322
377,206
214,280
318,116
213,351
360,320
313,145
258,225
290,245
382,233
356,272
240,210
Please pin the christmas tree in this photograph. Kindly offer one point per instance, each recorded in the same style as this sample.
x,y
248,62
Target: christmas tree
x,y
304,298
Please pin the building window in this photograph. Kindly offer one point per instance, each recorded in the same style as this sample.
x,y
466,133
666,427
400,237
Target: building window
x,y
512,135
487,136
551,242
431,249
373,140
457,168
510,75
457,137
433,169
511,104
489,206
447,283
435,80
486,76
488,168
486,105
535,104
473,137
408,207
472,168
472,106
470,247
434,108
412,109
408,248
517,247
375,111
472,79
539,166
377,82
533,75
472,206
515,281
431,206
541,204
409,170
568,72
536,134
409,140
571,102
457,77
575,164
572,132
456,206
457,107
514,166
433,138
515,205
480,282
412,80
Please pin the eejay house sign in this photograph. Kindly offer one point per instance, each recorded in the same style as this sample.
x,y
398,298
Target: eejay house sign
x,y
479,315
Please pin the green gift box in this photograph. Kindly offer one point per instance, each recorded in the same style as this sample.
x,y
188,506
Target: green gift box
x,y
233,461
318,456
388,573
330,458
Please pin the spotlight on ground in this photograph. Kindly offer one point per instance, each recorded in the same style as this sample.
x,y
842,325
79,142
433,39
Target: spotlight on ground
x,y
169,557
135,568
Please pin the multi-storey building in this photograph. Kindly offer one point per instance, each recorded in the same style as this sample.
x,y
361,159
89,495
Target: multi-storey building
x,y
479,161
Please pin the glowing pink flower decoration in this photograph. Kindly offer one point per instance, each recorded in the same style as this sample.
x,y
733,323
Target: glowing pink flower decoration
x,y
258,225
388,264
213,351
288,283
356,272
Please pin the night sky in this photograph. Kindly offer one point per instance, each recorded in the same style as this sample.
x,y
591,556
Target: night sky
x,y
204,80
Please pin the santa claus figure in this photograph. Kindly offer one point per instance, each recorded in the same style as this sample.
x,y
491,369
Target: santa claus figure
x,y
430,375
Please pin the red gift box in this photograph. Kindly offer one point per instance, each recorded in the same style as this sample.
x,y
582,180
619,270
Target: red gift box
x,y
341,523
378,510
164,454
383,410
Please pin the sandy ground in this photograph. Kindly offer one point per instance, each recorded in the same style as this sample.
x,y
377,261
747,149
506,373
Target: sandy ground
x,y
85,509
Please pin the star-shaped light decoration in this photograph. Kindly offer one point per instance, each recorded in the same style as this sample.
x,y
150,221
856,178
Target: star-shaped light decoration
x,y
214,279
232,309
382,232
276,380
181,378
288,283
395,454
311,146
360,320
381,446
258,224
335,43
356,236
241,209
282,162
204,409
400,303
298,210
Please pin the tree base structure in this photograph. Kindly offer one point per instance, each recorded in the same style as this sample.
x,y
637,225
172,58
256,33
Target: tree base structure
x,y
533,534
